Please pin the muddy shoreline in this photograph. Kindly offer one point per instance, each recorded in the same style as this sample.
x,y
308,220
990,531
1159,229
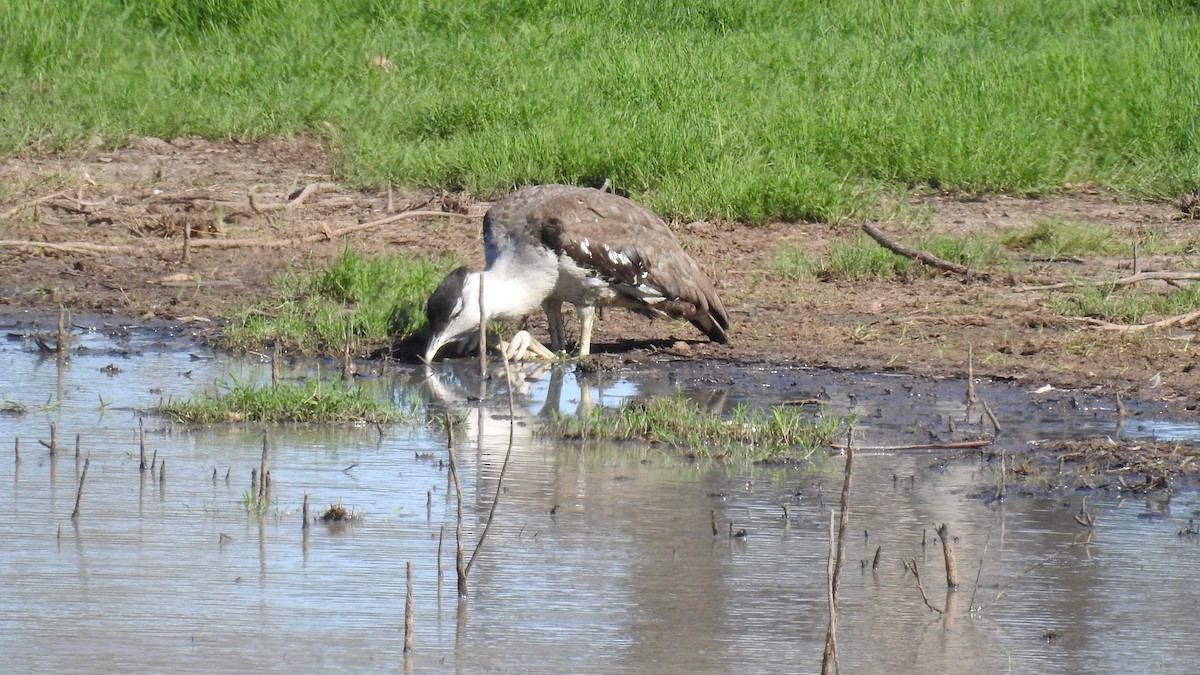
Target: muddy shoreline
x,y
130,207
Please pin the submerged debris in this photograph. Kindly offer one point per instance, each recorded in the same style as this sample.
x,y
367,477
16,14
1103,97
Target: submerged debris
x,y
1124,465
338,513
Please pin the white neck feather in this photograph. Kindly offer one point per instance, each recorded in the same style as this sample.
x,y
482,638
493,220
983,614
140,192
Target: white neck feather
x,y
512,290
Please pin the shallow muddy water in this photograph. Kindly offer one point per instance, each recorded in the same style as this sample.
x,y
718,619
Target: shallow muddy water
x,y
601,558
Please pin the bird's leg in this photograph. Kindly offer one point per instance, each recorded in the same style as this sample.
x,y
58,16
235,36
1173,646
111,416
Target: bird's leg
x,y
521,345
553,310
587,319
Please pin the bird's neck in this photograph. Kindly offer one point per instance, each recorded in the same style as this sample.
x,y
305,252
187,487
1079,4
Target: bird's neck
x,y
513,291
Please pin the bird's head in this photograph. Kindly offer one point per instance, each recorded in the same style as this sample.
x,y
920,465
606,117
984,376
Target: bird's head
x,y
453,313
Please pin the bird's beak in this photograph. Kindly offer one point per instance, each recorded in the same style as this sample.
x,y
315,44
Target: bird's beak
x,y
435,345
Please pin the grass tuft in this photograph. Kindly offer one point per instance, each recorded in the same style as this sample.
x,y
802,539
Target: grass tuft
x,y
309,401
380,299
679,422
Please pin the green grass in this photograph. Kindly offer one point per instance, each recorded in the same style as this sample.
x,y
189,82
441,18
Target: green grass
x,y
1125,305
1056,238
678,422
860,257
308,401
381,298
748,110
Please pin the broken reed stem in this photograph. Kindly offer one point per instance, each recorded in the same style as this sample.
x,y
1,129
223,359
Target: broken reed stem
x,y
829,659
979,573
78,442
347,369
17,449
943,533
911,566
162,473
408,608
1034,566
62,331
53,444
875,560
829,656
459,566
441,538
304,526
512,423
79,494
971,398
262,473
142,466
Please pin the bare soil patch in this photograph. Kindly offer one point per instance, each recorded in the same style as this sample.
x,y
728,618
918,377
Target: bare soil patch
x,y
111,226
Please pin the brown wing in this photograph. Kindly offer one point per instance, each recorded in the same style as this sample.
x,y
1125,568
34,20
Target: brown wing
x,y
621,241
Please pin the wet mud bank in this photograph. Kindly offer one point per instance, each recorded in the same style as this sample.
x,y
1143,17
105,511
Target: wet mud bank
x,y
1049,438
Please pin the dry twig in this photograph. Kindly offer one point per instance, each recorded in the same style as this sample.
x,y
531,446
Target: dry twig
x,y
1177,320
1124,281
921,256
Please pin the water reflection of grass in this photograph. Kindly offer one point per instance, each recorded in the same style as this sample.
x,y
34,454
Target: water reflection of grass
x,y
311,400
680,423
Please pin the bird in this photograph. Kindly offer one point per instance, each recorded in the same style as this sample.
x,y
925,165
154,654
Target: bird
x,y
549,244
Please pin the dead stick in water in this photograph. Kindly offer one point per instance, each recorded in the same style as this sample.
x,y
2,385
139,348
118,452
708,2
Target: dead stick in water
x,y
979,573
971,398
305,525
948,555
142,466
1031,568
17,449
512,423
162,473
829,656
79,494
829,659
920,446
275,366
53,444
408,608
459,565
262,472
911,565
441,538
62,331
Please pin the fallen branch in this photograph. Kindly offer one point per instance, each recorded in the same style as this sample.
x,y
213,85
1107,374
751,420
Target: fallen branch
x,y
73,247
292,205
921,256
1031,568
922,446
25,205
1123,281
910,564
1177,320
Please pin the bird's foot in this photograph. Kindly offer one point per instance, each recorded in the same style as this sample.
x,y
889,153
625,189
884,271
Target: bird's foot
x,y
522,346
